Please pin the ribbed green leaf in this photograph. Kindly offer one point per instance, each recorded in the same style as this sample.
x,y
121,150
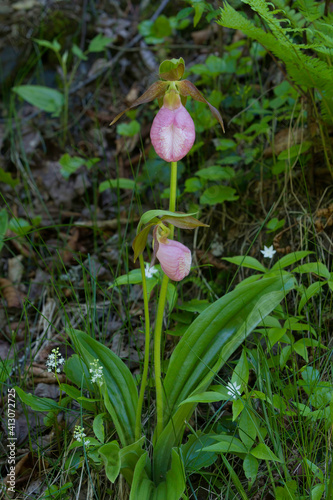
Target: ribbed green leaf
x,y
206,346
290,259
121,397
172,488
246,261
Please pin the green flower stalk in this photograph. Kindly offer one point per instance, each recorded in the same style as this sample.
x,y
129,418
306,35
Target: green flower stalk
x,y
172,135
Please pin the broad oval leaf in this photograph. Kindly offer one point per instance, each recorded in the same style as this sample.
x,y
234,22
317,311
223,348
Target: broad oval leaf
x,y
44,98
110,454
250,466
218,194
314,267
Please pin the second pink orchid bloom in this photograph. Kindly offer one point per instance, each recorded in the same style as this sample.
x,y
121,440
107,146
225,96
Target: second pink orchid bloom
x,y
175,259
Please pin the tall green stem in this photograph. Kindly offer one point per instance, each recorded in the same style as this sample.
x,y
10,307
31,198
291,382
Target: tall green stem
x,y
146,355
160,312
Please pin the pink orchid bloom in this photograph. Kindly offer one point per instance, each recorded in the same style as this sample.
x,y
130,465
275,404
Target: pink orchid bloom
x,y
172,133
175,259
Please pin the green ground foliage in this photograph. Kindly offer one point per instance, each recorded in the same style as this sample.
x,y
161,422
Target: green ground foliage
x,y
239,405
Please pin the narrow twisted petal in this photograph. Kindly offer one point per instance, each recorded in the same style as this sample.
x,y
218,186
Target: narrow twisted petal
x,y
172,133
175,259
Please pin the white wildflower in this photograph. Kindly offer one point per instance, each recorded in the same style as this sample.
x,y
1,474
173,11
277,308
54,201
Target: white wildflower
x,y
96,373
54,361
233,391
268,252
79,435
150,271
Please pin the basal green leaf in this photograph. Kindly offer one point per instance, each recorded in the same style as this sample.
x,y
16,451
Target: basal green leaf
x,y
121,397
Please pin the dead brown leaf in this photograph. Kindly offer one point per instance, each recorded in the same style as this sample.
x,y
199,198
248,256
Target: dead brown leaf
x,y
10,294
284,140
71,247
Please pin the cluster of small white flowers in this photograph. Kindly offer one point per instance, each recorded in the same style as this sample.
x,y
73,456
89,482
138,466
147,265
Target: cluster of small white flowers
x,y
54,361
268,252
150,271
79,435
233,391
96,373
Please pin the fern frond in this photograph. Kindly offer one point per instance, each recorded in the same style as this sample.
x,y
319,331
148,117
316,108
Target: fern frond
x,y
310,9
303,69
296,19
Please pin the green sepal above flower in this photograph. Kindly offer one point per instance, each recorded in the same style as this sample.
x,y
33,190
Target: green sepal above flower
x,y
172,69
170,73
151,218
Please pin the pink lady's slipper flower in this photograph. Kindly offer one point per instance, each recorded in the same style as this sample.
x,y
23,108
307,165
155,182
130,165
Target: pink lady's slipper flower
x,y
175,259
172,133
